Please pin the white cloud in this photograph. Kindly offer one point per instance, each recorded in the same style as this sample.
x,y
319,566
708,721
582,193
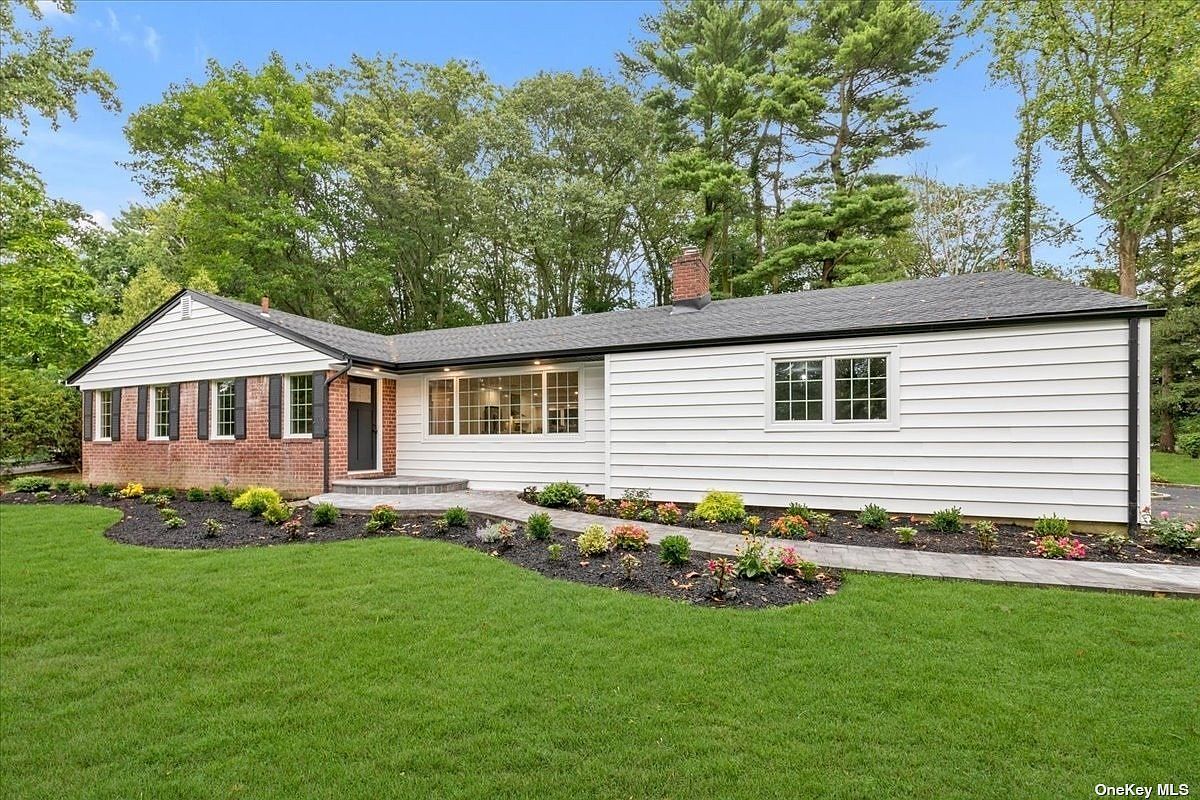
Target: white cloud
x,y
152,42
101,218
50,9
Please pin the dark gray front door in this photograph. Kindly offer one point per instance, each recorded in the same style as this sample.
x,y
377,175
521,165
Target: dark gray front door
x,y
361,427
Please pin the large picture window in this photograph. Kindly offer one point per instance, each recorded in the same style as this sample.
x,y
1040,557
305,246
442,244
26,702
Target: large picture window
x,y
529,404
161,415
831,389
300,405
104,402
224,410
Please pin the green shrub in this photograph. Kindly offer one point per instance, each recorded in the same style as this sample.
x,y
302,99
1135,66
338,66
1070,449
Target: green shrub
x,y
808,571
196,495
1052,525
276,513
752,559
132,490
1113,541
167,513
906,535
74,487
819,522
629,564
383,518
721,507
1189,444
630,537
538,526
873,516
985,535
62,487
257,499
220,494
38,415
42,496
175,522
106,489
325,514
496,533
79,495
560,495
674,550
212,527
29,484
457,517
555,552
593,541
799,510
1175,534
948,520
159,500
167,492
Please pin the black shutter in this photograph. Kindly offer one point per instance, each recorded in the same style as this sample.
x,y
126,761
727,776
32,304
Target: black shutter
x,y
87,415
201,409
173,412
320,408
239,408
275,405
116,414
141,413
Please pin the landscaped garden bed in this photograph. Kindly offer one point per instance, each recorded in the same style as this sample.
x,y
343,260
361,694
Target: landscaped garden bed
x,y
944,531
620,558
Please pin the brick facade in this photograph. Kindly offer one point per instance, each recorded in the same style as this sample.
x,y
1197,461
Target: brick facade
x,y
293,466
689,276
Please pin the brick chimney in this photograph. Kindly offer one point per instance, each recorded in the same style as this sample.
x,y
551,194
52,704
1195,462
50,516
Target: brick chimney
x,y
265,305
689,281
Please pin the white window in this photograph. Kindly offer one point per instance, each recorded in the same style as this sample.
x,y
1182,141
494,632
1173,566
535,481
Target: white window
x,y
224,410
104,401
300,405
832,389
526,403
160,412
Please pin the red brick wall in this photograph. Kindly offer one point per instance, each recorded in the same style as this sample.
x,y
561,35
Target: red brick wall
x,y
689,275
293,466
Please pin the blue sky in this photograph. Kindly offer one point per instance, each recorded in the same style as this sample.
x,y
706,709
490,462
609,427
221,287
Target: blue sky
x,y
147,46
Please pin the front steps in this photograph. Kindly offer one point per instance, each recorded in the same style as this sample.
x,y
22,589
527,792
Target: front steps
x,y
398,484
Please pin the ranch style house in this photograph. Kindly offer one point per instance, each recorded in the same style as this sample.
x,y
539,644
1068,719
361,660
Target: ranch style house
x,y
1008,395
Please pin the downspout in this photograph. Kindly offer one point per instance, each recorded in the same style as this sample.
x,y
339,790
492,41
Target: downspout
x,y
1134,400
338,374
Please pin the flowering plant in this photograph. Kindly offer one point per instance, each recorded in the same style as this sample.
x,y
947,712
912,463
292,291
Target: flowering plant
x,y
628,509
668,513
790,526
1060,547
720,571
630,537
592,504
291,528
1174,534
132,490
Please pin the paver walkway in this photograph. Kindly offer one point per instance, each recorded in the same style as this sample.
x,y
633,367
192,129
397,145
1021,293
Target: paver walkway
x,y
1166,578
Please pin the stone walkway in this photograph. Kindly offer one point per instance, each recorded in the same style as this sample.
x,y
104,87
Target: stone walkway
x,y
1146,578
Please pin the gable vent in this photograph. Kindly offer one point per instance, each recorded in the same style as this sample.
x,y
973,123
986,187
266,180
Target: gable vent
x,y
185,307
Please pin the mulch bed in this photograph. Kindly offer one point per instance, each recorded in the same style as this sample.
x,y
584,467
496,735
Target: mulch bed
x,y
1013,540
142,525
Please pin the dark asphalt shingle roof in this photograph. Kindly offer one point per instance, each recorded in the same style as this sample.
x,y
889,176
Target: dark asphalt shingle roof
x,y
857,310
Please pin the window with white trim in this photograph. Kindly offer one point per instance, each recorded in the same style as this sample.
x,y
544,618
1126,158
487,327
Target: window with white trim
x,y
104,401
224,410
300,405
160,412
526,403
831,388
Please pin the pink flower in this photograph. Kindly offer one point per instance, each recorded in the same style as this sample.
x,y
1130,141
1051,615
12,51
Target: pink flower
x,y
1164,515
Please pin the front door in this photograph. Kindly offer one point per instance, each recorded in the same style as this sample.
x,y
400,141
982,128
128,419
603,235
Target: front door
x,y
361,425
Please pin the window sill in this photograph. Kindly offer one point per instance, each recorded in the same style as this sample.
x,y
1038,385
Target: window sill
x,y
823,426
297,437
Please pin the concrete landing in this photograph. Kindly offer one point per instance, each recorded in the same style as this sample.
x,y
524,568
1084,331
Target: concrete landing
x,y
397,485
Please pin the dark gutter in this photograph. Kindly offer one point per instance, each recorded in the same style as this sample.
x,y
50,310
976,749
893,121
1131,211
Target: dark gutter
x,y
1134,399
340,373
594,353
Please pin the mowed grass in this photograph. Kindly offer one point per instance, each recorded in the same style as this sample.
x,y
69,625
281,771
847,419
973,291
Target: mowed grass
x,y
1176,467
405,668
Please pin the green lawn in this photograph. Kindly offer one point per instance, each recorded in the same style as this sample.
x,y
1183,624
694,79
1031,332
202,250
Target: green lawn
x,y
1176,467
406,668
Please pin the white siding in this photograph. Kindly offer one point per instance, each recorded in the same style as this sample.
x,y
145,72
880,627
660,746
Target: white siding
x,y
210,344
503,462
1006,423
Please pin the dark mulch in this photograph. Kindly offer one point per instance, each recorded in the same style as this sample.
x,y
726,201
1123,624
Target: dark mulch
x,y
142,525
1013,540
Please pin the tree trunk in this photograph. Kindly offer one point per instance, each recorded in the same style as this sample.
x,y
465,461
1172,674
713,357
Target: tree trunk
x,y
1166,430
1128,240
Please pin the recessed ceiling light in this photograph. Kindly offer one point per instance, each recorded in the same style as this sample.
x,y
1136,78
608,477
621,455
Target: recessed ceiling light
x,y
537,363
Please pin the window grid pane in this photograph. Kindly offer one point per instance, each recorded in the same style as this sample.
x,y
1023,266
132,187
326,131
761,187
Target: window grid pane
x,y
441,407
162,413
500,404
799,390
225,409
860,388
562,402
300,404
105,418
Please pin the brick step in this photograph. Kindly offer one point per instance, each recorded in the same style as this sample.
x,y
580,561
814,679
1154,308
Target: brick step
x,y
398,484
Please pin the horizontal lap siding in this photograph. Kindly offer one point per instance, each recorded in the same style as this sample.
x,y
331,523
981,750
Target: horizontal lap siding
x,y
1006,423
208,345
503,462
